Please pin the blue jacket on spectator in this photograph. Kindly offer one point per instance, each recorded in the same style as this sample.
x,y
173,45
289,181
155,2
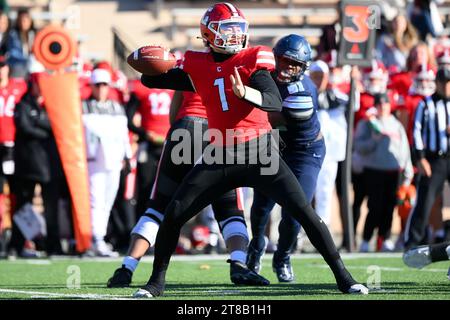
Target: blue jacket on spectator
x,y
17,57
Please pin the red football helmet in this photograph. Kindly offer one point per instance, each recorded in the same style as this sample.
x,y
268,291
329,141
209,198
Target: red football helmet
x,y
375,78
224,28
200,236
424,82
443,58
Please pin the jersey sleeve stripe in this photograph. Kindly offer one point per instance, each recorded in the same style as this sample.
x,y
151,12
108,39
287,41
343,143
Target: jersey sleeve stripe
x,y
265,53
265,61
298,105
298,99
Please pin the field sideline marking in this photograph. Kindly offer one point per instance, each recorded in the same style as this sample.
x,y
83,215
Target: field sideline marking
x,y
42,294
201,257
382,268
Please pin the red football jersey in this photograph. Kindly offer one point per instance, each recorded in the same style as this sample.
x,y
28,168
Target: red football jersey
x,y
224,109
85,88
9,98
410,106
192,106
401,82
154,107
366,101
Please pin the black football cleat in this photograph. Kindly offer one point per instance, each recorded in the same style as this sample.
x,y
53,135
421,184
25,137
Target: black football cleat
x,y
120,279
254,257
284,271
240,274
148,291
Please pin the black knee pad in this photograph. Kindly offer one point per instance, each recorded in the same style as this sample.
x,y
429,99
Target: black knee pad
x,y
227,206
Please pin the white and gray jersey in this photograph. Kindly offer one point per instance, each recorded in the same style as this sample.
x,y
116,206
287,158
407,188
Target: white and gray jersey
x,y
106,131
300,110
431,120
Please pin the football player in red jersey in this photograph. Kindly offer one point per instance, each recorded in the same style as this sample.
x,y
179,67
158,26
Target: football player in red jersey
x,y
153,106
423,86
375,80
237,89
11,91
400,81
188,114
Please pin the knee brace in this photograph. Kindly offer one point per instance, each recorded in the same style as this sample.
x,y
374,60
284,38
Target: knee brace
x,y
234,226
148,225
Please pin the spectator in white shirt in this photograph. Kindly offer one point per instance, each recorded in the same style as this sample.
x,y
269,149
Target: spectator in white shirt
x,y
108,150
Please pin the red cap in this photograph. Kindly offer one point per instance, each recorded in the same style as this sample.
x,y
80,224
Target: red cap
x,y
104,65
34,77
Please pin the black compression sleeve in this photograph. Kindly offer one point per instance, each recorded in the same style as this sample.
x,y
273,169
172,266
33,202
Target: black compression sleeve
x,y
175,79
131,109
438,252
262,81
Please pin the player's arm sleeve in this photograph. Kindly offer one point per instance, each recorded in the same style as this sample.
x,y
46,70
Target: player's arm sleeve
x,y
419,148
130,110
127,145
263,92
408,170
174,79
175,105
363,142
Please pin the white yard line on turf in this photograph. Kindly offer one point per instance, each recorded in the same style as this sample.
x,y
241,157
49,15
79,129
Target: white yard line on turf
x,y
49,295
42,294
325,266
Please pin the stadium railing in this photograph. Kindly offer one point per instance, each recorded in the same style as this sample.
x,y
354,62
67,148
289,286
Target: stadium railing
x,y
304,13
122,48
314,33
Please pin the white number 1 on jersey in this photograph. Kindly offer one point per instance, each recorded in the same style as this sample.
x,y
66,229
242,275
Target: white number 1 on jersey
x,y
219,82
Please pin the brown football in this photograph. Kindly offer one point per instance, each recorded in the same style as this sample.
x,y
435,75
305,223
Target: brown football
x,y
152,60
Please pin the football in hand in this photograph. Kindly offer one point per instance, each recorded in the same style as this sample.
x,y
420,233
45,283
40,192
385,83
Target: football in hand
x,y
152,60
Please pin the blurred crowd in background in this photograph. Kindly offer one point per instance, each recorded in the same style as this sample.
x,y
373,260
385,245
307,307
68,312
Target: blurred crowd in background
x,y
126,124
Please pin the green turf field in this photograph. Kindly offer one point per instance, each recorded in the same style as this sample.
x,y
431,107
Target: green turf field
x,y
202,277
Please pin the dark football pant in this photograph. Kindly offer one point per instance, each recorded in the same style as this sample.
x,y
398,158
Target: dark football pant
x,y
381,187
6,154
305,161
170,174
146,172
206,182
427,191
360,193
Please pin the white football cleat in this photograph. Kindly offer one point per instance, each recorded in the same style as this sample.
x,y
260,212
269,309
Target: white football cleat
x,y
358,289
102,249
418,257
388,246
142,294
